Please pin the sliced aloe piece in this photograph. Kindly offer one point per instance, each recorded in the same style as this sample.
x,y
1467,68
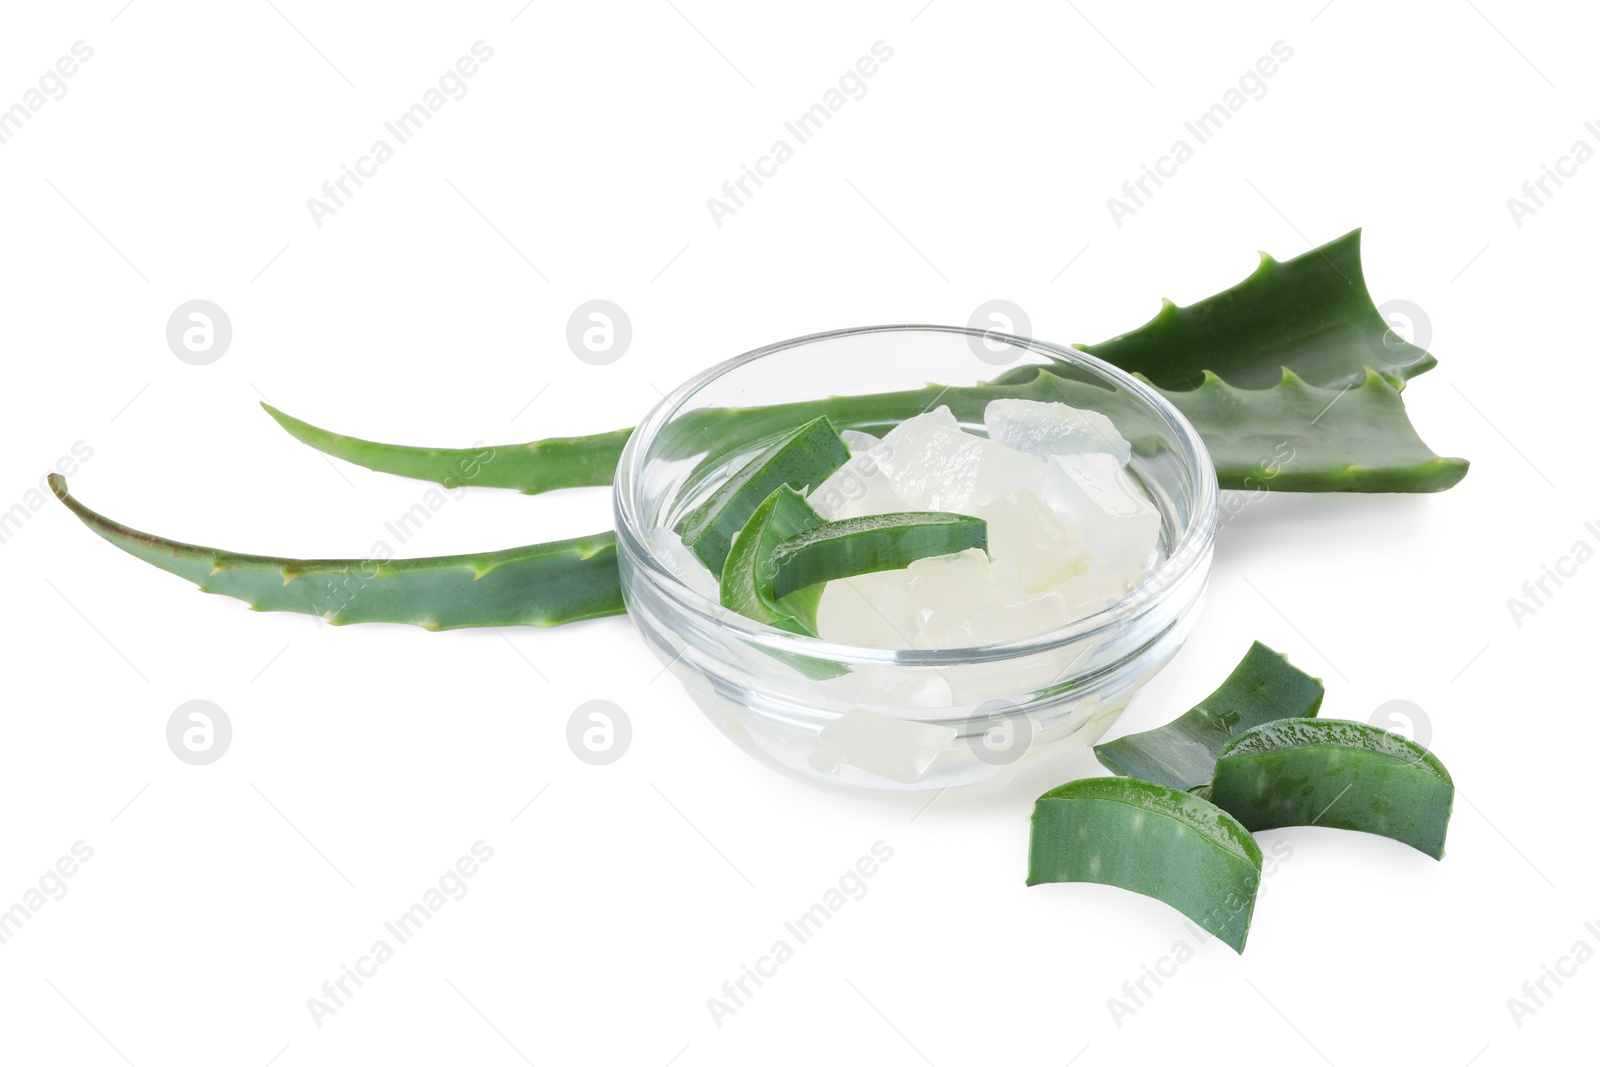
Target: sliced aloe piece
x,y
1329,772
1183,753
532,466
1311,314
849,547
747,577
801,458
1152,840
535,585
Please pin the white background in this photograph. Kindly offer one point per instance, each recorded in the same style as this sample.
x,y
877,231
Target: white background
x,y
431,309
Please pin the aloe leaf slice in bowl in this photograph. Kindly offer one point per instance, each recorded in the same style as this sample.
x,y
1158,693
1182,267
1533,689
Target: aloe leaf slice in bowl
x,y
1153,840
847,547
1329,772
747,577
802,457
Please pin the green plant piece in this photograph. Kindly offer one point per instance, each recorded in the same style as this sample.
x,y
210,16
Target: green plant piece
x,y
849,547
1183,753
1295,409
1311,314
747,577
801,458
1152,840
532,467
1328,772
1296,437
535,585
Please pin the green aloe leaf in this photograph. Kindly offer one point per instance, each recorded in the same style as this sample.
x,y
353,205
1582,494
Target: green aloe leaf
x,y
1183,753
1311,314
1153,840
535,585
1297,437
532,467
1273,373
1328,772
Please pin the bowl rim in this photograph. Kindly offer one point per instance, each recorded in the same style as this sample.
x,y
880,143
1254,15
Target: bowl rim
x,y
1191,551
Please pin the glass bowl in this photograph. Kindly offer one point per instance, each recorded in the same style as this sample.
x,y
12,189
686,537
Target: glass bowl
x,y
905,719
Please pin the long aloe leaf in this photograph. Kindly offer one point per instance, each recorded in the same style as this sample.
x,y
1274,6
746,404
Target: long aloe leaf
x,y
532,467
1292,378
1297,437
535,585
1311,314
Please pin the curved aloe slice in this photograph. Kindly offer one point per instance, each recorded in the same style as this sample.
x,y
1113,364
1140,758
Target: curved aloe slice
x,y
800,458
1152,840
1328,772
532,467
748,574
1311,314
1183,753
849,547
536,585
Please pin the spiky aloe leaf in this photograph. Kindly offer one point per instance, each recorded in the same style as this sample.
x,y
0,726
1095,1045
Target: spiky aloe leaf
x,y
532,467
535,585
1296,437
1256,368
1311,314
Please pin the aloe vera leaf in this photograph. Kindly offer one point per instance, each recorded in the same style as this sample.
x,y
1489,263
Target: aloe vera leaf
x,y
801,458
1183,753
532,467
535,585
1297,437
747,577
847,547
1152,840
1329,772
1311,314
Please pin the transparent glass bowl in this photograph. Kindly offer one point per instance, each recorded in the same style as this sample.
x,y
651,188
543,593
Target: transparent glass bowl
x,y
905,719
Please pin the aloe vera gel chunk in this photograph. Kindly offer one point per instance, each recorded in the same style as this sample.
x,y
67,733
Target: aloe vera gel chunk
x,y
1070,530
